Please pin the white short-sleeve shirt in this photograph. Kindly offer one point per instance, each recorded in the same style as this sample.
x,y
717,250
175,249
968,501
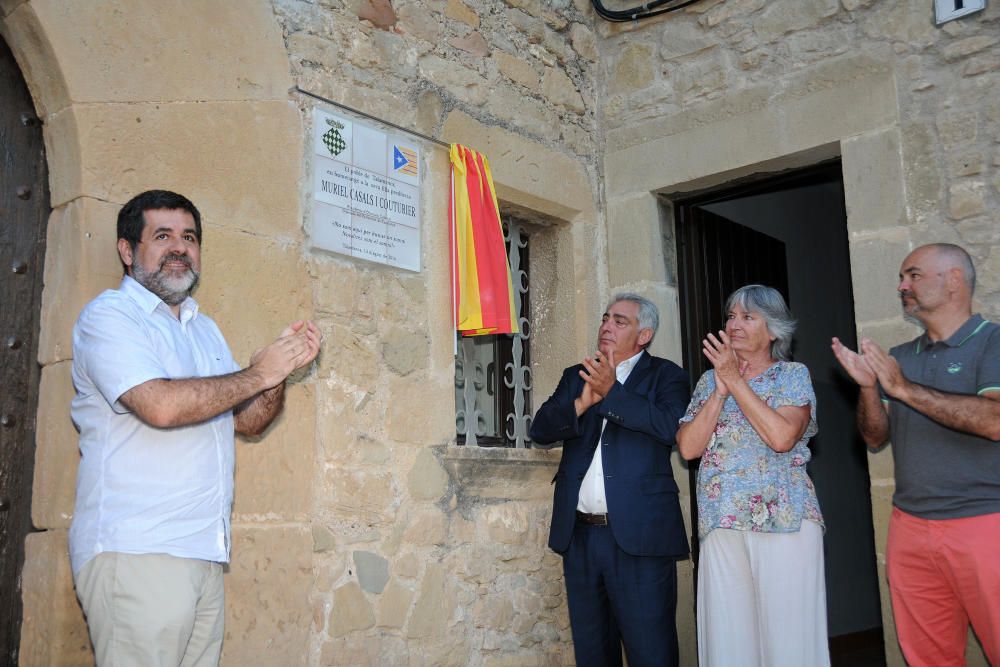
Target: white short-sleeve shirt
x,y
142,489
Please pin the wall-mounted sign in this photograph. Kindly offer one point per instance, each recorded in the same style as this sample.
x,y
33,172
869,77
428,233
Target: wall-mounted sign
x,y
949,10
366,192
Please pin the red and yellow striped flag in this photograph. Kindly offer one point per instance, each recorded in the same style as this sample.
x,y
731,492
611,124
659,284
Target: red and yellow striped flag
x,y
482,293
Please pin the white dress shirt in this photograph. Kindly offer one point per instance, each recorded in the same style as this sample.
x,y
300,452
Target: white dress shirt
x,y
592,499
142,489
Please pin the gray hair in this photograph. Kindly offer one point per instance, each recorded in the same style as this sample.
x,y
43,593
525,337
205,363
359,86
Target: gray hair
x,y
649,314
771,305
957,257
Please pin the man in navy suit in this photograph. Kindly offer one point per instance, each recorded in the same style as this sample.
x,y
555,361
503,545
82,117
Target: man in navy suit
x,y
615,516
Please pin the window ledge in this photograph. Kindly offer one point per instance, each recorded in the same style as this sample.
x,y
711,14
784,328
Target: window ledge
x,y
499,474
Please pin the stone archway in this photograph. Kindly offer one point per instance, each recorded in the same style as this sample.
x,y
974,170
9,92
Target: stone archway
x,y
150,94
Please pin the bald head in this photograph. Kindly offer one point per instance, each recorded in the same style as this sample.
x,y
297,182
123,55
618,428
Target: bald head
x,y
935,288
949,256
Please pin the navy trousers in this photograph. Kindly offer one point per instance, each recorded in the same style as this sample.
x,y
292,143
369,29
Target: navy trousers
x,y
615,598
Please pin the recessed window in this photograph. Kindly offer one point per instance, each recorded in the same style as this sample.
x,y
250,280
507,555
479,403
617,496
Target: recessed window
x,y
492,372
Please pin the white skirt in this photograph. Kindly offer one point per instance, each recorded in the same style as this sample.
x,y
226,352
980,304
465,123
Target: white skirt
x,y
762,599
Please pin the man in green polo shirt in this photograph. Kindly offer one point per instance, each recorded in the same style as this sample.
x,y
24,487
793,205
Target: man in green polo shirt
x,y
940,405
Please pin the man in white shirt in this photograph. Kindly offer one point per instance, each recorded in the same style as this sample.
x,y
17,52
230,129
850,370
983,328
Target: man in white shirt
x,y
158,400
616,519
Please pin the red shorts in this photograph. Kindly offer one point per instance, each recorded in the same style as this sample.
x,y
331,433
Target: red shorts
x,y
944,574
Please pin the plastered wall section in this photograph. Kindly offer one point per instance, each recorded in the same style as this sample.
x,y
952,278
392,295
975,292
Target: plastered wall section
x,y
127,108
706,97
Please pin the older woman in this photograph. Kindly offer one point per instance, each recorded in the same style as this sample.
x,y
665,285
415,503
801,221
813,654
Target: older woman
x,y
761,594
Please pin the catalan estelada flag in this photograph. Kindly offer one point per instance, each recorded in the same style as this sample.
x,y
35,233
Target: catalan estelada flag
x,y
482,293
404,160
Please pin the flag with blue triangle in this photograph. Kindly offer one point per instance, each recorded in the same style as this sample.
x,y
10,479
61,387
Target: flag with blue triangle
x,y
404,160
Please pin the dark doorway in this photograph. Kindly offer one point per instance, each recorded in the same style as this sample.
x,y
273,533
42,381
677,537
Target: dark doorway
x,y
24,211
790,232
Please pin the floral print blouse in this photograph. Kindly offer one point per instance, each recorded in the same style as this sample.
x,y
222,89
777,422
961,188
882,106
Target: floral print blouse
x,y
742,483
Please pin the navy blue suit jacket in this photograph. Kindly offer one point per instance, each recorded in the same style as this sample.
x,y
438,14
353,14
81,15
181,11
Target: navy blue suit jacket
x,y
643,511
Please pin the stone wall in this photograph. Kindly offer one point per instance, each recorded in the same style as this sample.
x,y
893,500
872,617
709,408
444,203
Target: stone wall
x,y
730,88
427,553
708,59
525,65
361,533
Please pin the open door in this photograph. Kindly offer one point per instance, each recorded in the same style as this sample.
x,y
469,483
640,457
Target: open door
x,y
790,232
715,256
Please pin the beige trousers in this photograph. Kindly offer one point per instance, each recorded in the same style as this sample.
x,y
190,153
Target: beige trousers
x,y
152,610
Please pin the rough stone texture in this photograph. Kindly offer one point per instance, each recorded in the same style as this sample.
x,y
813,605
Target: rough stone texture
x,y
56,450
461,81
426,479
785,16
560,89
416,405
378,12
433,605
701,75
517,69
966,164
898,99
473,43
481,474
364,497
740,134
506,524
418,23
53,630
966,199
373,571
274,472
584,42
393,605
532,28
968,46
267,596
404,351
427,529
323,539
458,10
633,69
563,180
351,611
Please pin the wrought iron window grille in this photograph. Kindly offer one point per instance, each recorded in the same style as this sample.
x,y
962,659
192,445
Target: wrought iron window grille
x,y
493,372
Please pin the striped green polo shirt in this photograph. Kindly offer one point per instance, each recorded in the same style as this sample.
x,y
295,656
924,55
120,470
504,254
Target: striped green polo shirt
x,y
942,473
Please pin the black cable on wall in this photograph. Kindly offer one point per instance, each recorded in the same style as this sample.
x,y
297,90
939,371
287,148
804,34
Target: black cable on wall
x,y
644,11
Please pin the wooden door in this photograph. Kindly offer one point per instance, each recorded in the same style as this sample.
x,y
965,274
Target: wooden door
x,y
24,211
